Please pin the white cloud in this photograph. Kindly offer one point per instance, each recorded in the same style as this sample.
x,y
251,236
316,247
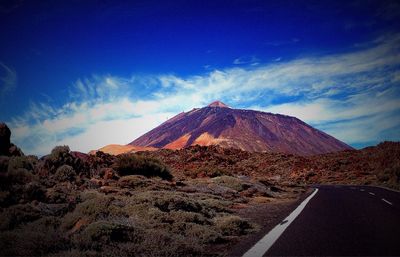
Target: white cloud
x,y
252,60
348,90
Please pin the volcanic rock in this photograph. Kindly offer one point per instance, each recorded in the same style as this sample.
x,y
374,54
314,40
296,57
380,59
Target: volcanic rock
x,y
5,135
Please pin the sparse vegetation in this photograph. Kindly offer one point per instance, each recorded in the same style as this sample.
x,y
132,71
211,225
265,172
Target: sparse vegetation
x,y
133,164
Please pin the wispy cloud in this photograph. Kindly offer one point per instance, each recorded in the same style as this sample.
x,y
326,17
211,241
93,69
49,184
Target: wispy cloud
x,y
8,79
252,60
353,96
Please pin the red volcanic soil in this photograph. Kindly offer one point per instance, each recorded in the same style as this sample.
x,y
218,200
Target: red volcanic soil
x,y
254,131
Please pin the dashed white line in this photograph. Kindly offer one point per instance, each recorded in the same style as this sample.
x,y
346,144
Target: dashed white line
x,y
371,193
362,190
386,201
262,246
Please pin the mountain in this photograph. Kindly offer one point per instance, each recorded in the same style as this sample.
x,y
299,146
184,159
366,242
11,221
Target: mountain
x,y
255,131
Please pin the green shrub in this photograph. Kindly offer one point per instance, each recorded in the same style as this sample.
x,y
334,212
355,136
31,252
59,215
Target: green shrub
x,y
94,208
203,234
59,153
228,181
65,173
20,176
100,233
4,164
233,225
16,215
20,162
34,191
134,181
132,164
38,238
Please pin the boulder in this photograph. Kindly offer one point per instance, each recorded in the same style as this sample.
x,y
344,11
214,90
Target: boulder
x,y
5,135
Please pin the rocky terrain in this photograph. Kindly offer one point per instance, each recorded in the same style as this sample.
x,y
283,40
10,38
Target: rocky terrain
x,y
253,131
377,165
196,201
74,204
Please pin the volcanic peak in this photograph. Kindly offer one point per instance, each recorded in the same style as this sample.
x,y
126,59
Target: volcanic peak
x,y
218,104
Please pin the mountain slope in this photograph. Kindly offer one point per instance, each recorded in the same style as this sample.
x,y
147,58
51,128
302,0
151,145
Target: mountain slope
x,y
217,124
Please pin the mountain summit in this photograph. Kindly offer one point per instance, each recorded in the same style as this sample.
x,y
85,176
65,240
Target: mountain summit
x,y
218,104
243,129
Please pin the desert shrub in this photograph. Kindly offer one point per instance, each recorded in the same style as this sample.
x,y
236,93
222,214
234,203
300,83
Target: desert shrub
x,y
16,215
59,153
175,202
33,191
233,225
59,156
213,205
19,176
207,171
132,164
4,164
188,217
390,176
65,173
100,233
20,162
158,242
204,234
231,182
38,238
95,208
133,181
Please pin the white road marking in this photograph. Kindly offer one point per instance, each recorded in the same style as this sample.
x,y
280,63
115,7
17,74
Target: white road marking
x,y
262,246
362,190
371,193
386,201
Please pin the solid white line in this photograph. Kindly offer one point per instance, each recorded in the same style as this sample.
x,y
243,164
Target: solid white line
x,y
371,193
262,246
386,201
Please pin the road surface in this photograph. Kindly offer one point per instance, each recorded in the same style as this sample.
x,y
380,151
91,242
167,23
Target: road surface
x,y
343,221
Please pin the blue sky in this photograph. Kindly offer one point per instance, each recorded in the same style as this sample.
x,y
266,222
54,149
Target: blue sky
x,y
91,73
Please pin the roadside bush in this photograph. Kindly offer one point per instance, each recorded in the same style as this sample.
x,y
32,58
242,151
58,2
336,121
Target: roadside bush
x,y
132,164
233,225
100,233
228,181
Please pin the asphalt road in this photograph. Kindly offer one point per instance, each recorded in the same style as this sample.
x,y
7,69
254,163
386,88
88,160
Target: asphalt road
x,y
344,221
